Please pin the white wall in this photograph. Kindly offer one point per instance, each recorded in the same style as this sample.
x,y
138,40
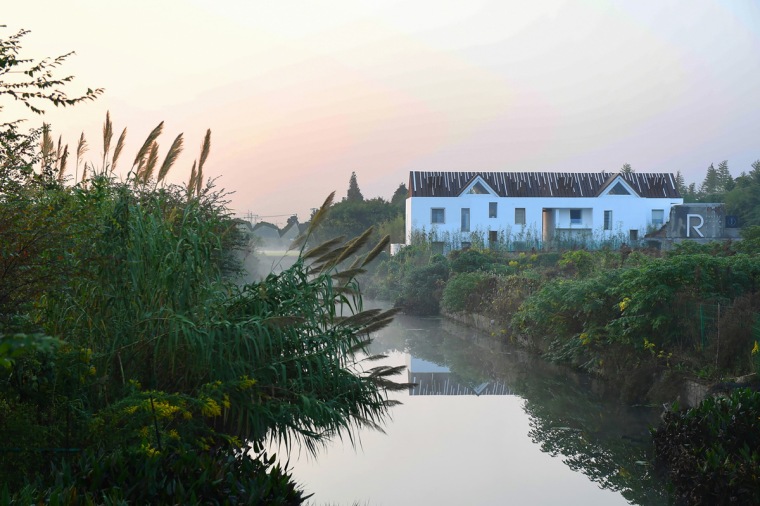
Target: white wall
x,y
629,212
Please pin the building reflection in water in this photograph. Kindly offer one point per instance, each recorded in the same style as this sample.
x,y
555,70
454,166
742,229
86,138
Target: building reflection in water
x,y
432,379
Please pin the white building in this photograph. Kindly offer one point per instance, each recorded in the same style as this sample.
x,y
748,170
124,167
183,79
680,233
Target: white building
x,y
523,210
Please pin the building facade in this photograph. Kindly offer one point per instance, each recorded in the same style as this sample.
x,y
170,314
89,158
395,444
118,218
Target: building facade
x,y
523,210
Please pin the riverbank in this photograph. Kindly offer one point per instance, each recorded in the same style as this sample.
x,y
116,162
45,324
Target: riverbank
x,y
662,327
664,389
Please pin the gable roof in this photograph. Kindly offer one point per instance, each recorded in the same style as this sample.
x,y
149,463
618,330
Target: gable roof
x,y
541,184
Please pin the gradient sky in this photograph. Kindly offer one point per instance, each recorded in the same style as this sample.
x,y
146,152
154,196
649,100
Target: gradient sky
x,y
300,94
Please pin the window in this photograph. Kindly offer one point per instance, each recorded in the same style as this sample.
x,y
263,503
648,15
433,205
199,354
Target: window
x,y
607,220
478,189
634,235
492,209
493,237
619,189
519,216
575,216
437,216
465,219
658,216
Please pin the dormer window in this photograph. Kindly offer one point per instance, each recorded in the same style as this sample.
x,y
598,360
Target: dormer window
x,y
618,189
478,189
478,186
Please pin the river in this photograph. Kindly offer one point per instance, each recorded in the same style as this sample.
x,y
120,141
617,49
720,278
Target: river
x,y
487,424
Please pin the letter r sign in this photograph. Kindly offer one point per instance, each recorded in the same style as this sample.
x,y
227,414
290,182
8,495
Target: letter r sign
x,y
696,227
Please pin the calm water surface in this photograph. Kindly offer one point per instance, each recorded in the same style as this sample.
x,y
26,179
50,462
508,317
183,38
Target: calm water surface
x,y
488,424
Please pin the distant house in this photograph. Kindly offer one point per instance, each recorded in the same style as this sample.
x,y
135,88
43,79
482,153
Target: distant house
x,y
523,210
289,233
268,234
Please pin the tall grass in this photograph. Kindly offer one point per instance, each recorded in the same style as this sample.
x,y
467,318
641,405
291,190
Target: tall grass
x,y
154,306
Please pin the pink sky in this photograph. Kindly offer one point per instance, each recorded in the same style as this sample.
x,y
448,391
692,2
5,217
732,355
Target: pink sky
x,y
300,94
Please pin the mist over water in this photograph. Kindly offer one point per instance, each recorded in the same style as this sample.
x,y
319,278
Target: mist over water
x,y
487,424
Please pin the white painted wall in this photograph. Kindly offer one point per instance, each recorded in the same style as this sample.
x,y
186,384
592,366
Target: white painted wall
x,y
629,212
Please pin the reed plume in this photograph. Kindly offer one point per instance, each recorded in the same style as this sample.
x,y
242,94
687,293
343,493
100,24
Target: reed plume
x,y
171,157
117,151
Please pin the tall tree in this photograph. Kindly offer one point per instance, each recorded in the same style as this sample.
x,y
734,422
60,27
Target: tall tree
x,y
725,181
681,183
626,169
711,184
354,194
399,196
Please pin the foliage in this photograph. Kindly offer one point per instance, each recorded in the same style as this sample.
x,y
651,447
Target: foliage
x,y
710,453
34,83
354,194
467,291
422,287
135,281
219,476
399,197
581,261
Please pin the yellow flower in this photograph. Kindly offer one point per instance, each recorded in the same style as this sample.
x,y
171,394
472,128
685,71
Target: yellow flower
x,y
756,349
210,407
624,303
149,450
173,434
226,401
584,339
246,383
513,263
164,409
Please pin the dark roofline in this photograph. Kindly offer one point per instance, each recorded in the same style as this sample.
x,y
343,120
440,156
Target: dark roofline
x,y
540,184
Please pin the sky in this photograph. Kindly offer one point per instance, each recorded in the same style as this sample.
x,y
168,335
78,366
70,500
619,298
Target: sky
x,y
299,94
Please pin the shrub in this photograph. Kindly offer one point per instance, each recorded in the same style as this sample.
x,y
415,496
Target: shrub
x,y
711,453
468,291
423,286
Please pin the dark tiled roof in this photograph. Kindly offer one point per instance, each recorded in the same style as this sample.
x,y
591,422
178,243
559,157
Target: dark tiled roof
x,y
540,184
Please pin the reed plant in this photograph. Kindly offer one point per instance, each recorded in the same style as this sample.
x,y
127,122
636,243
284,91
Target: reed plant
x,y
147,296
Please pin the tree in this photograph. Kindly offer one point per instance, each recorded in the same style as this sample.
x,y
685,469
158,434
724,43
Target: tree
x,y
681,183
33,84
399,196
725,181
711,184
354,194
38,84
626,169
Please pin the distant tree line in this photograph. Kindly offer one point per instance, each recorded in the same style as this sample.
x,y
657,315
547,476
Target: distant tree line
x,y
741,194
354,214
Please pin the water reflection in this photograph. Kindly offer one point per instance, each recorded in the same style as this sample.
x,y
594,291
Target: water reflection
x,y
487,424
571,415
429,378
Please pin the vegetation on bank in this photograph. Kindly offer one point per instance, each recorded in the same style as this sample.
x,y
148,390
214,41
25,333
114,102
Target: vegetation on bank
x,y
134,367
711,453
642,319
621,314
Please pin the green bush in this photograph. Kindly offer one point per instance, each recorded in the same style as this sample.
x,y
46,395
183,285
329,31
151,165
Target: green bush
x,y
218,476
711,453
468,291
422,287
